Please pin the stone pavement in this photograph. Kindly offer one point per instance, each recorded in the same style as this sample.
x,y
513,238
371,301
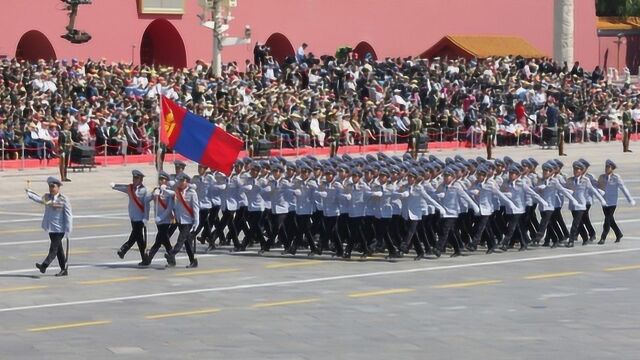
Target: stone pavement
x,y
562,303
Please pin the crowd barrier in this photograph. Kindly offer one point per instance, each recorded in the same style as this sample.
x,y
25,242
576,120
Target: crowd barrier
x,y
438,139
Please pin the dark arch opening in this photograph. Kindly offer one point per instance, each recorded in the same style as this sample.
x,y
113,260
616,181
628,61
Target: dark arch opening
x,y
162,45
280,47
363,48
33,46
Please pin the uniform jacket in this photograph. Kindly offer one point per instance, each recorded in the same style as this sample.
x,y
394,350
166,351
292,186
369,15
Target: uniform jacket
x,y
58,217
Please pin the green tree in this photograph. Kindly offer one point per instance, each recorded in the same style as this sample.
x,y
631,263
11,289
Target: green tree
x,y
618,7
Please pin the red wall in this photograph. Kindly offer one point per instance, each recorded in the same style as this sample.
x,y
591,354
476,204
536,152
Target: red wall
x,y
392,28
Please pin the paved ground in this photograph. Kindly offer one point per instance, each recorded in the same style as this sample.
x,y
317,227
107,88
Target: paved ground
x,y
562,303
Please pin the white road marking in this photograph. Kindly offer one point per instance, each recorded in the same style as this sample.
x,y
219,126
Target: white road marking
x,y
598,290
555,296
309,281
118,216
71,238
75,267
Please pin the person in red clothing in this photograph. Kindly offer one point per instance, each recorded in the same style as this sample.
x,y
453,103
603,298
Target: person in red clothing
x,y
521,114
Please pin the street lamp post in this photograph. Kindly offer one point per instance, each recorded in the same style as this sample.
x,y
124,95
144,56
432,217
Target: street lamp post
x,y
218,25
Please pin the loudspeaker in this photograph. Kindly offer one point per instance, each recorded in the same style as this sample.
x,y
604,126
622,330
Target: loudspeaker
x,y
81,154
262,148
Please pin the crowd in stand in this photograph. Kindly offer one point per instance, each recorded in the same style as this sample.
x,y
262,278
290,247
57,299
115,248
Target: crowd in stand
x,y
308,101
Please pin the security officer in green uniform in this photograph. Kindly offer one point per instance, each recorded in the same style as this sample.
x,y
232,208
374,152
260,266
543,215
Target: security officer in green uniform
x,y
334,135
490,133
562,123
65,142
415,126
254,134
627,127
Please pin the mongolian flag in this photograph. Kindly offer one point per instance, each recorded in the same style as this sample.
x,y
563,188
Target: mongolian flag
x,y
197,139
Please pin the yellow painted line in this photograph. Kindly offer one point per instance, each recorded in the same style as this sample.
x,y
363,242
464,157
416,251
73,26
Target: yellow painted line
x,y
23,288
623,268
380,292
70,326
283,303
467,284
553,275
113,280
294,264
205,272
71,252
182,313
75,227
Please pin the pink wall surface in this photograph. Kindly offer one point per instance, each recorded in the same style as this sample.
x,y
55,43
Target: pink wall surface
x,y
393,28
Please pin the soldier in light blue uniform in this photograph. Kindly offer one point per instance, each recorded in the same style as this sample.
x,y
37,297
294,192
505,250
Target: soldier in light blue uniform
x,y
357,193
230,196
344,177
216,188
304,188
203,182
276,191
548,188
383,194
163,216
450,194
587,232
57,221
611,183
255,205
515,189
484,191
329,190
138,213
186,210
414,198
581,187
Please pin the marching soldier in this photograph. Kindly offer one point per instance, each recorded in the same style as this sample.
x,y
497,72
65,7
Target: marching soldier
x,y
611,182
163,216
203,182
57,221
581,187
329,190
138,213
627,127
186,210
304,188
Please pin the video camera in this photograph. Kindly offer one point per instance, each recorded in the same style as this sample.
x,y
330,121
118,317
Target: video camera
x,y
73,35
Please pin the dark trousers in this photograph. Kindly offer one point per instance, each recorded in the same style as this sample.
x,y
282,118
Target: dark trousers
x,y
277,229
227,221
480,228
55,250
411,237
162,239
304,229
610,222
576,223
203,223
291,228
136,237
369,231
240,222
561,224
545,227
318,224
254,218
184,238
427,229
357,235
587,227
382,226
343,226
447,227
532,220
332,234
515,224
213,220
397,229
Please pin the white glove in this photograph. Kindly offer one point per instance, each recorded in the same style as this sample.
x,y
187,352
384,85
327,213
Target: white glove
x,y
633,202
156,192
163,187
158,219
145,221
112,185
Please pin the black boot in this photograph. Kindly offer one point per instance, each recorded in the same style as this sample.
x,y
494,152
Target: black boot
x,y
41,267
193,264
63,272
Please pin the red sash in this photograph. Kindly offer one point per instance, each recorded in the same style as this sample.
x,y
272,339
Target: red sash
x,y
132,195
162,202
184,203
